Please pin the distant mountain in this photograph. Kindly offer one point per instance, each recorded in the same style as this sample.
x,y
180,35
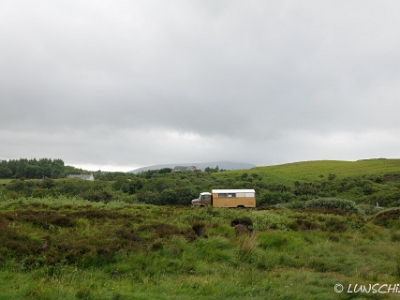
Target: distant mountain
x,y
226,165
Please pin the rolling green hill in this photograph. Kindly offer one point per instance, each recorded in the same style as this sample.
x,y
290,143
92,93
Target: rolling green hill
x,y
309,170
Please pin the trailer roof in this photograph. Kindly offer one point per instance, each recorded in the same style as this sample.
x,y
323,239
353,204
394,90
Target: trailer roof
x,y
233,191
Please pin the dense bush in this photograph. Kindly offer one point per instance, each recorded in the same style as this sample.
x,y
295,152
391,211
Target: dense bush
x,y
97,196
271,198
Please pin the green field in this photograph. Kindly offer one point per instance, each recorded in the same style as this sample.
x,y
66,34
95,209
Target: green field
x,y
65,248
5,181
315,170
303,171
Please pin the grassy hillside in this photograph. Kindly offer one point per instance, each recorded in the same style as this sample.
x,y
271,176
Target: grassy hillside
x,y
309,170
304,171
65,248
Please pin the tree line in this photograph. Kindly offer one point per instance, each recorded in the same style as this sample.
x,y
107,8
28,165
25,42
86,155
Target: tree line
x,y
36,168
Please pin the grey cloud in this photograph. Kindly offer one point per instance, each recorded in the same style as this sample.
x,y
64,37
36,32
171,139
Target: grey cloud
x,y
257,72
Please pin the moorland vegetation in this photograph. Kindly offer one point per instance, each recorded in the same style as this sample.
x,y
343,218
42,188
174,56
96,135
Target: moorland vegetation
x,y
126,236
68,248
369,182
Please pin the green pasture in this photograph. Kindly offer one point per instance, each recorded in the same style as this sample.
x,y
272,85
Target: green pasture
x,y
314,170
4,181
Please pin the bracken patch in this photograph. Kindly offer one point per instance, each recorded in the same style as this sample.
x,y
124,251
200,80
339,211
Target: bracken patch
x,y
128,234
18,244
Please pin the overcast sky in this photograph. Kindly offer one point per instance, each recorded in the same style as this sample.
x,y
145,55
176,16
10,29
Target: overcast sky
x,y
118,85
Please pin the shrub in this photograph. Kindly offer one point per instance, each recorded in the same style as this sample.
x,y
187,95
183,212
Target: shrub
x,y
149,197
331,176
168,196
97,195
296,205
334,224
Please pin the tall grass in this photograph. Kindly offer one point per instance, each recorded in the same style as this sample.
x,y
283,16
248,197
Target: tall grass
x,y
84,250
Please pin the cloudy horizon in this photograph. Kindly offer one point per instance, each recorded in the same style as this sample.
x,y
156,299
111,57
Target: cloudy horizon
x,y
118,85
